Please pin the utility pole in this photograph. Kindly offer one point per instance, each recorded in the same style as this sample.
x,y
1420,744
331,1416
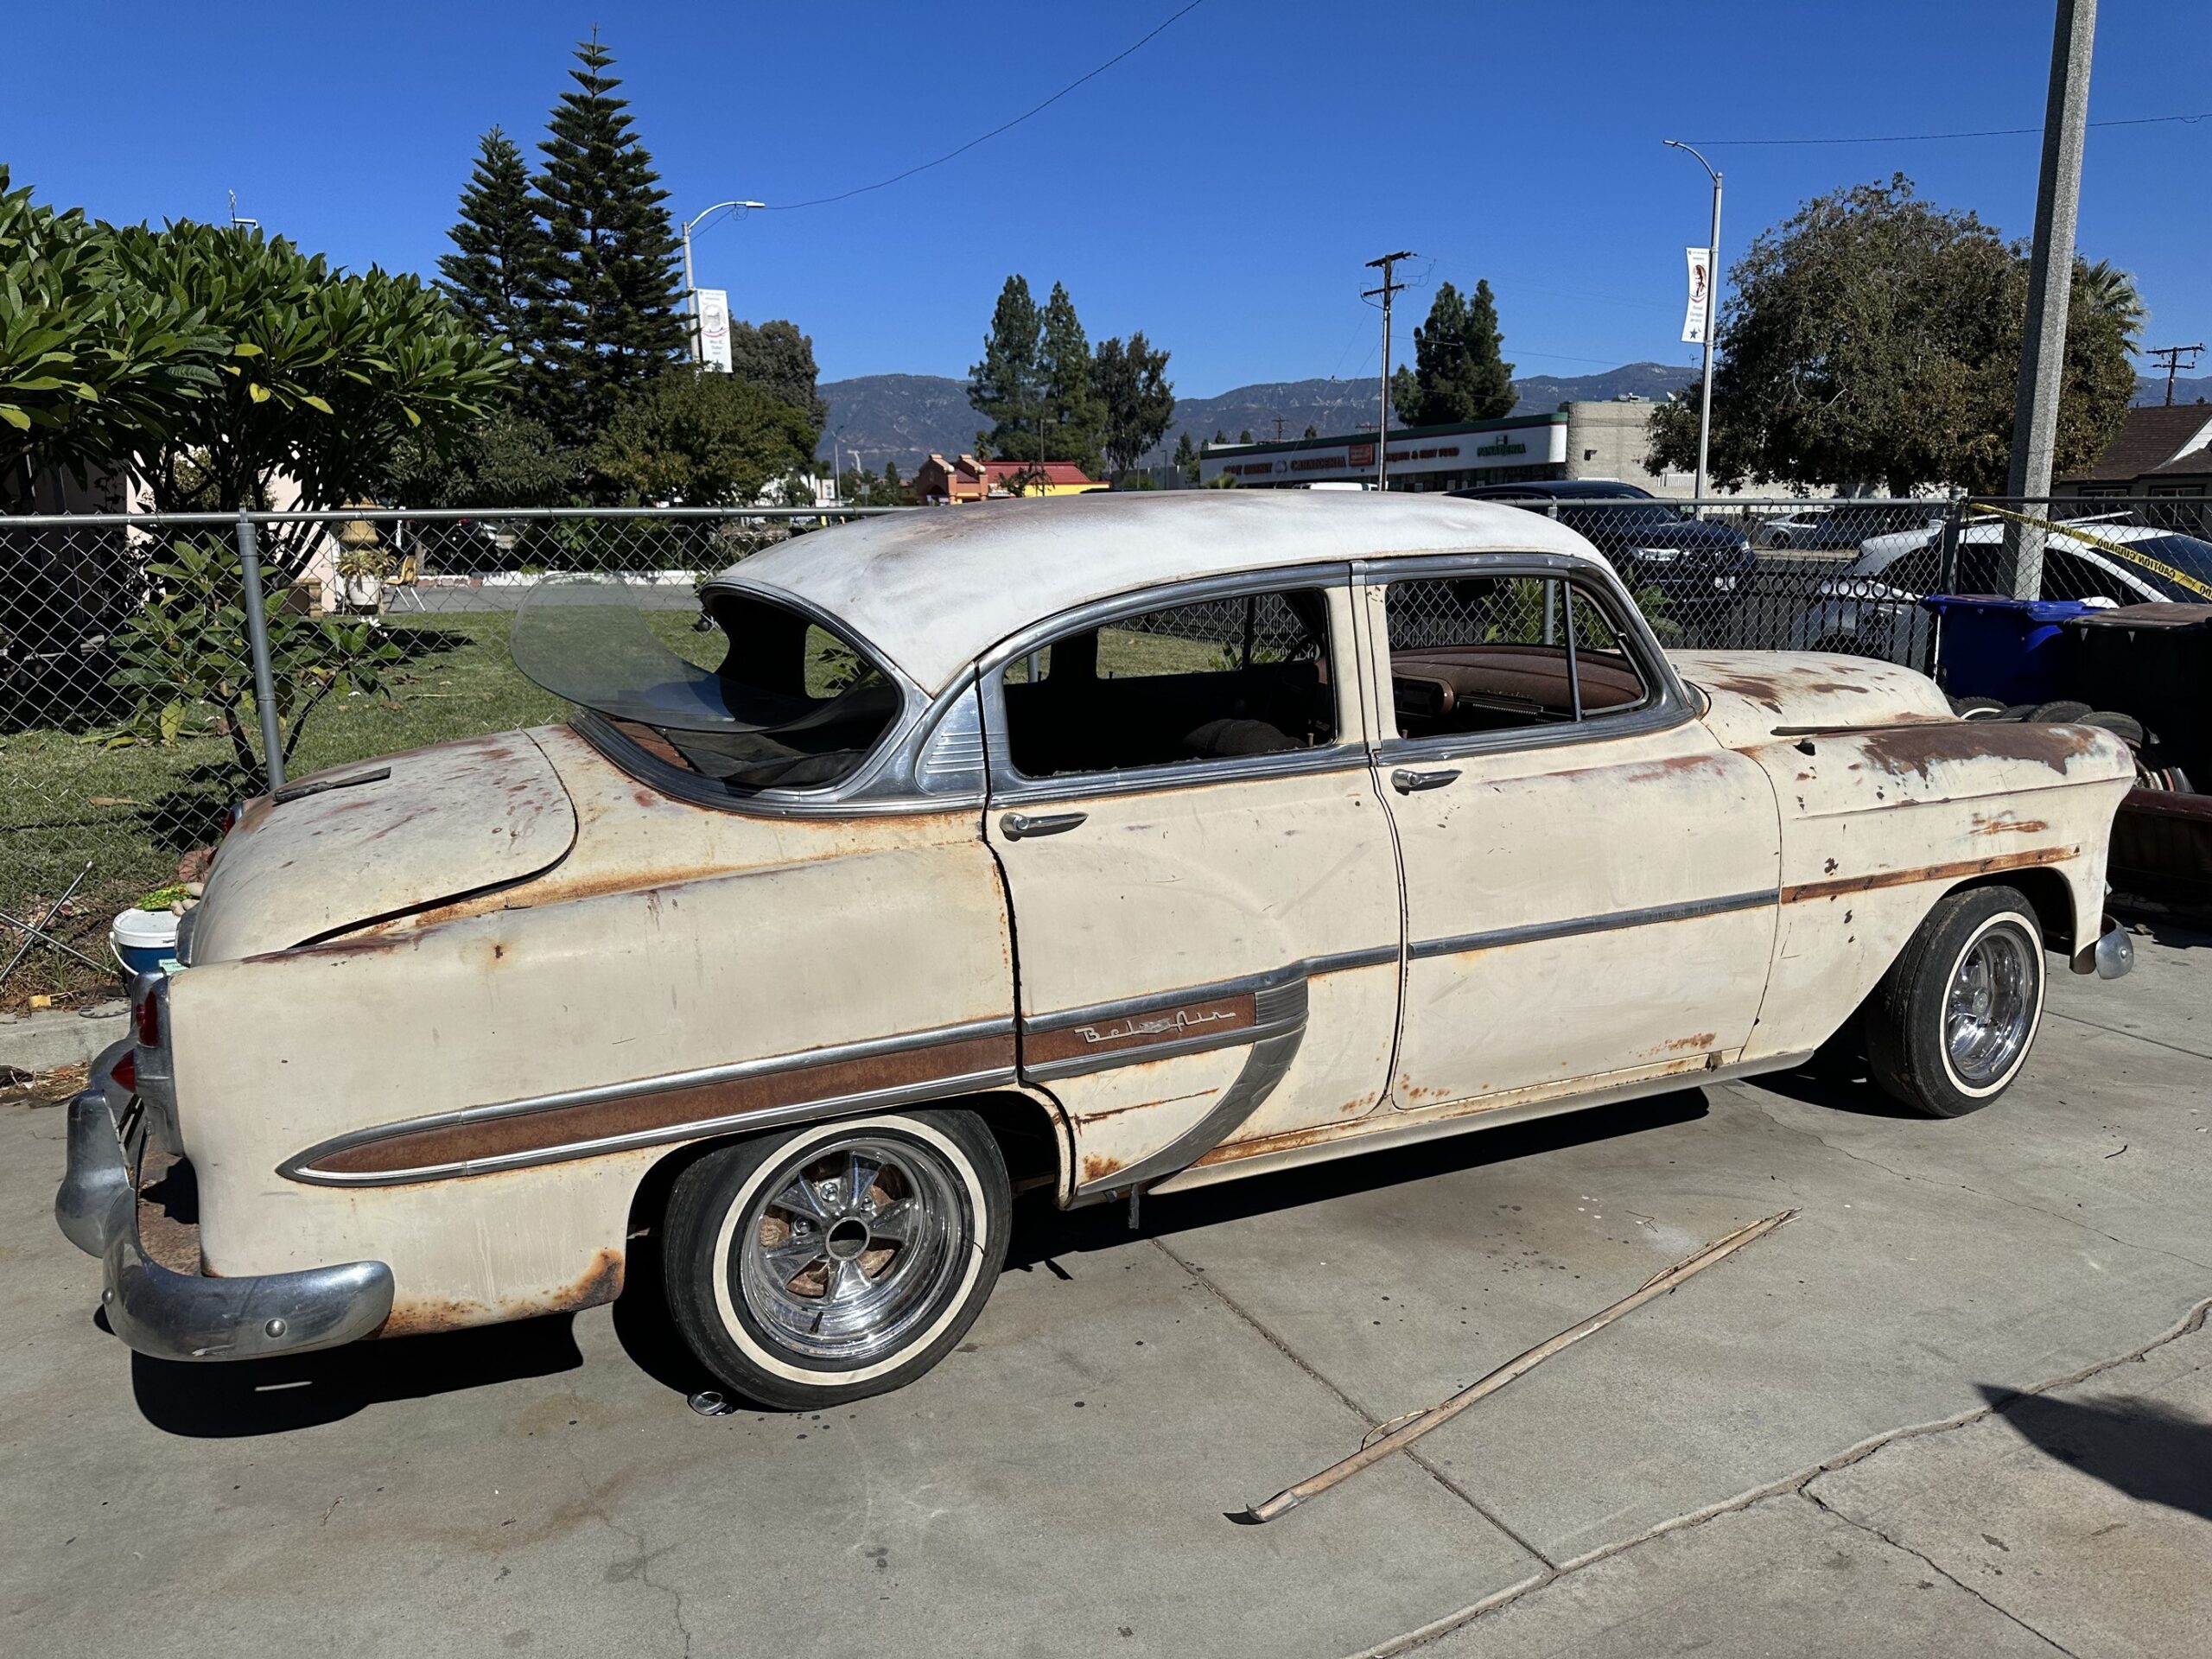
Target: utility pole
x,y
1387,290
2172,355
1712,312
2050,272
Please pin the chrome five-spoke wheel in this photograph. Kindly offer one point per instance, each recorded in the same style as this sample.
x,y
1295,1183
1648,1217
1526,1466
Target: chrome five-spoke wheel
x,y
1951,1023
838,1260
1992,1007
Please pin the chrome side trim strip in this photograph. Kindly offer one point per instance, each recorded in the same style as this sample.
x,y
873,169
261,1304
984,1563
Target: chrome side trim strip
x,y
1278,1007
1535,932
1263,1069
772,1118
298,1167
1343,962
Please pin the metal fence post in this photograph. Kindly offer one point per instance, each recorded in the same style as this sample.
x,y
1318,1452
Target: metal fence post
x,y
256,629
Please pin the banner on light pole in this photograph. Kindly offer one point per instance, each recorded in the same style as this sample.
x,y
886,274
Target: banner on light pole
x,y
714,328
1698,317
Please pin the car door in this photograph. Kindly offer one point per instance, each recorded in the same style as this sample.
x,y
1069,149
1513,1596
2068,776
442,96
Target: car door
x,y
1206,906
1590,877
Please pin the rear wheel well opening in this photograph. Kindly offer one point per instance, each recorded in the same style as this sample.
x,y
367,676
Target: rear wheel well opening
x,y
2047,894
1027,1131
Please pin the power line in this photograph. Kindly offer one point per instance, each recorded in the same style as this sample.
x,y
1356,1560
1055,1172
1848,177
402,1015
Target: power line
x,y
1986,132
1005,126
2172,356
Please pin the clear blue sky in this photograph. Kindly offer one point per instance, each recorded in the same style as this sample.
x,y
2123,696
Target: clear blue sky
x,y
1219,190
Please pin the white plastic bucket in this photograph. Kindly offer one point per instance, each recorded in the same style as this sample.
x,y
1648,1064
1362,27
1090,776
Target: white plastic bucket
x,y
144,941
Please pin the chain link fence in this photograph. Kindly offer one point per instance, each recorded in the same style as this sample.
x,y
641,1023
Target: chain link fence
x,y
130,721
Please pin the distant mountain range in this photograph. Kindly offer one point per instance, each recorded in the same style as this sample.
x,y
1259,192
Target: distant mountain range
x,y
2150,390
903,417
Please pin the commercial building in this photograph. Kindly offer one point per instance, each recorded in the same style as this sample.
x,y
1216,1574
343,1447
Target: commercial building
x,y
1578,440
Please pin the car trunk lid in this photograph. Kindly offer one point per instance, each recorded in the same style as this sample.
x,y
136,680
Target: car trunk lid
x,y
365,842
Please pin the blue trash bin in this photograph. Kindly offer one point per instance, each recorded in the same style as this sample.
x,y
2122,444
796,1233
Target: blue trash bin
x,y
2013,650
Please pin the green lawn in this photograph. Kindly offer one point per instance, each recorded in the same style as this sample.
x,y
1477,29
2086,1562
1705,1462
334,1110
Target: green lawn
x,y
132,811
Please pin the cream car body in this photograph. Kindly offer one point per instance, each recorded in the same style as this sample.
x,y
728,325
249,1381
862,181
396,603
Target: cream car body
x,y
438,1030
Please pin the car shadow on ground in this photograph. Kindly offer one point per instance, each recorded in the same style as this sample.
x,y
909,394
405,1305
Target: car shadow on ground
x,y
1042,1232
275,1396
2147,1451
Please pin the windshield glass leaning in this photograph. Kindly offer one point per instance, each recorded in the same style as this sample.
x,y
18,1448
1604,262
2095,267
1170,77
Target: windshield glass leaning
x,y
746,691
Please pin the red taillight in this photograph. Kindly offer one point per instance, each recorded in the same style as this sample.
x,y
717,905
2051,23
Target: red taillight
x,y
230,820
126,1072
149,1016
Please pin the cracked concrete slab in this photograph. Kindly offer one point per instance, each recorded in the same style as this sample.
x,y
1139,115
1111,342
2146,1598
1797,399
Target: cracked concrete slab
x,y
1778,1578
2006,1245
1057,1484
2085,1513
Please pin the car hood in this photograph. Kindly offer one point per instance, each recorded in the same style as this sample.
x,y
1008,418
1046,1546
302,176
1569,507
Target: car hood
x,y
1752,692
442,822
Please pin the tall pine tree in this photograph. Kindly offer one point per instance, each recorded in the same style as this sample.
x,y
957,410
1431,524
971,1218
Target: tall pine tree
x,y
1073,411
612,321
1138,403
1007,386
1459,374
499,248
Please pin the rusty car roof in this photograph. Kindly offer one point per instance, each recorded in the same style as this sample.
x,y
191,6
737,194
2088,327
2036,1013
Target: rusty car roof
x,y
935,588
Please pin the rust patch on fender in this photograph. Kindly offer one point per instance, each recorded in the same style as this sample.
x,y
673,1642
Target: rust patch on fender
x,y
1096,1166
413,1316
1964,871
1704,1040
2003,823
1916,749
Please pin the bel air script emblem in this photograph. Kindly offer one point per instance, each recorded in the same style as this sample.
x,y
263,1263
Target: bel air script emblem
x,y
1159,1026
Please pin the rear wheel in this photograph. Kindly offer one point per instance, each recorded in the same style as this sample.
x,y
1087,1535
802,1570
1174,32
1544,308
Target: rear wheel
x,y
840,1260
1950,1025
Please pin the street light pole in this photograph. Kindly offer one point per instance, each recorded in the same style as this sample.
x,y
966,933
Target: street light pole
x,y
690,289
1711,308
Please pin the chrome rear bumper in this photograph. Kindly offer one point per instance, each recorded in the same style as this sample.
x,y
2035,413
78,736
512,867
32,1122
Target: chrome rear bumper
x,y
172,1315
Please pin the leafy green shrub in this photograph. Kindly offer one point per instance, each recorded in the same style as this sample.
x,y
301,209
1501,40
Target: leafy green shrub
x,y
189,646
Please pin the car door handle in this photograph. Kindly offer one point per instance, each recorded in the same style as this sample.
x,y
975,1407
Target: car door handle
x,y
1019,826
1407,781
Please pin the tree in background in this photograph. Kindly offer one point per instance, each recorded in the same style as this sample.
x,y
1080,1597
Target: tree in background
x,y
608,323
330,373
1006,388
1874,340
2112,292
93,366
696,438
1186,458
1459,373
500,249
779,360
1073,414
1311,430
1136,401
505,459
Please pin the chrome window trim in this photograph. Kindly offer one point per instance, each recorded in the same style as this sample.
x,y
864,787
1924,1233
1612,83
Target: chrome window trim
x,y
1669,706
1349,753
889,780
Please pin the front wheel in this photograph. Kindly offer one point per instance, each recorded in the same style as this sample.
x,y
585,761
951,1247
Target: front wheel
x,y
839,1259
1951,1023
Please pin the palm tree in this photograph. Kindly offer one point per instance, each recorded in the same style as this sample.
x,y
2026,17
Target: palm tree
x,y
2112,292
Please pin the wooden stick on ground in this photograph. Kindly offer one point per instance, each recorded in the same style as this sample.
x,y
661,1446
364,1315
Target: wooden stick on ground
x,y
1374,1451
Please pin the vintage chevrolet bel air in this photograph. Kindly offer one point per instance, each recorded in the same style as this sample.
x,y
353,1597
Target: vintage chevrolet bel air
x,y
1109,845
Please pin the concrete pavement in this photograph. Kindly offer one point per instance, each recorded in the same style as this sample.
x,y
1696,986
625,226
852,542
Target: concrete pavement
x,y
1806,1451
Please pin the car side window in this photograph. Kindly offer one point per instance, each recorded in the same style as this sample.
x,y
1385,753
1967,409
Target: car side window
x,y
1478,653
1215,680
